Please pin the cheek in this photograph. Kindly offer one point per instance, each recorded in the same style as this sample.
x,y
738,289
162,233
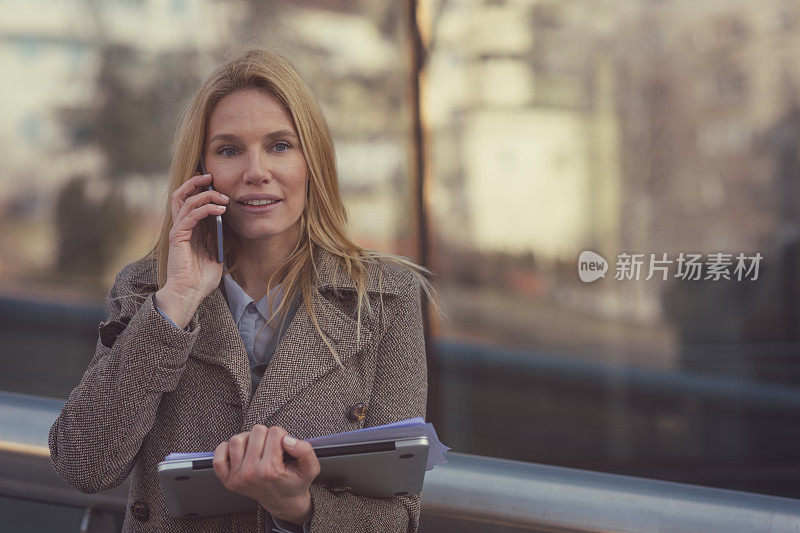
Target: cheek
x,y
297,186
224,186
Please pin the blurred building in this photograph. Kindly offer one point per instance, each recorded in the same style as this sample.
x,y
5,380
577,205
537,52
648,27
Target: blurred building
x,y
521,104
352,53
702,88
52,47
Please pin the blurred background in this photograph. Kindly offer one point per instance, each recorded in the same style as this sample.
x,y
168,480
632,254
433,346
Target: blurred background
x,y
548,127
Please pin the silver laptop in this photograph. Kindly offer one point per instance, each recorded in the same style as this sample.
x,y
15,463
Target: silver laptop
x,y
378,469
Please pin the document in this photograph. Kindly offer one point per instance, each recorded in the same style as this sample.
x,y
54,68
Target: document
x,y
412,427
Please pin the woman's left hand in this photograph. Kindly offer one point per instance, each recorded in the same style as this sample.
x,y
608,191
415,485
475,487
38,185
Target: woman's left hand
x,y
251,463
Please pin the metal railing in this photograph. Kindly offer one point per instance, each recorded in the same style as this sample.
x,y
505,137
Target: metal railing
x,y
470,493
710,418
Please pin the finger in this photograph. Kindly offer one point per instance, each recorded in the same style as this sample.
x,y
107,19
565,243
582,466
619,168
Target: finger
x,y
307,462
221,463
187,189
273,451
188,222
236,448
200,199
255,445
193,211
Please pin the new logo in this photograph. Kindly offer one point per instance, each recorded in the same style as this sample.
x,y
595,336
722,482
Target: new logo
x,y
591,266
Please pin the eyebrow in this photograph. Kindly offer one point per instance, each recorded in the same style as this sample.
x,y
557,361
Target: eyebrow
x,y
232,137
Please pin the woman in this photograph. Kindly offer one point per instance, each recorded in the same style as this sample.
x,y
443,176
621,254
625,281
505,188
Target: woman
x,y
305,334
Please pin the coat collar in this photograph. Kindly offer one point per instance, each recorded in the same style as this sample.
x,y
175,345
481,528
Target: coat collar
x,y
329,275
301,356
332,276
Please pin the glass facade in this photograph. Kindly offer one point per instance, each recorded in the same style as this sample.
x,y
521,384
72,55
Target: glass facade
x,y
611,188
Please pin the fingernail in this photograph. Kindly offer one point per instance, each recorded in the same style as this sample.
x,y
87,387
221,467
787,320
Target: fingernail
x,y
225,196
290,441
206,175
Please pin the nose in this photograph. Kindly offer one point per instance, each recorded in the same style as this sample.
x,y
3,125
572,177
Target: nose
x,y
257,168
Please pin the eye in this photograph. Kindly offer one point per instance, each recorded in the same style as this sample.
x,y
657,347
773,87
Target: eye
x,y
226,149
282,143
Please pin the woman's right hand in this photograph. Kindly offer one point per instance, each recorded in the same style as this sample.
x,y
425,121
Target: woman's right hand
x,y
192,270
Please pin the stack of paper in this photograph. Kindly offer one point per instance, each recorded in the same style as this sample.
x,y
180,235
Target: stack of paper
x,y
412,427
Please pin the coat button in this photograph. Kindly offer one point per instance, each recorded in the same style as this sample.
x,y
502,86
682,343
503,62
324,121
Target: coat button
x,y
140,510
357,412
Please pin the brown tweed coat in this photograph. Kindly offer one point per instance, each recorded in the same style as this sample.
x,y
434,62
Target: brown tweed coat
x,y
152,389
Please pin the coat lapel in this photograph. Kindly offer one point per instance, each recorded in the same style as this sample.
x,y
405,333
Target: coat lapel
x,y
221,344
301,356
219,341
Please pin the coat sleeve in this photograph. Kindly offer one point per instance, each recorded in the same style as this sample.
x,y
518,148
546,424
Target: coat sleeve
x,y
399,392
95,440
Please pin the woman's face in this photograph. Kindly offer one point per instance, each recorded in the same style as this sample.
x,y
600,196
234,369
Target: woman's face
x,y
252,151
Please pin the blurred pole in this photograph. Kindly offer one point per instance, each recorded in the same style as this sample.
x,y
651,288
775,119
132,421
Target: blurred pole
x,y
419,178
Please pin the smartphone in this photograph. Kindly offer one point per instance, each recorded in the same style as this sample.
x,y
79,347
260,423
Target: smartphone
x,y
220,257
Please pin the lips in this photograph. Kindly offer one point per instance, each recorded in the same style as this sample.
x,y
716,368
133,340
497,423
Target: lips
x,y
261,203
252,197
256,209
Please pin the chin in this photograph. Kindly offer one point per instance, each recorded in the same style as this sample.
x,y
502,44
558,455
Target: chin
x,y
254,232
256,235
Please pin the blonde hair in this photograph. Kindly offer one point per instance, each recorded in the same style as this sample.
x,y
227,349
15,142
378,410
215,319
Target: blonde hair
x,y
323,222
